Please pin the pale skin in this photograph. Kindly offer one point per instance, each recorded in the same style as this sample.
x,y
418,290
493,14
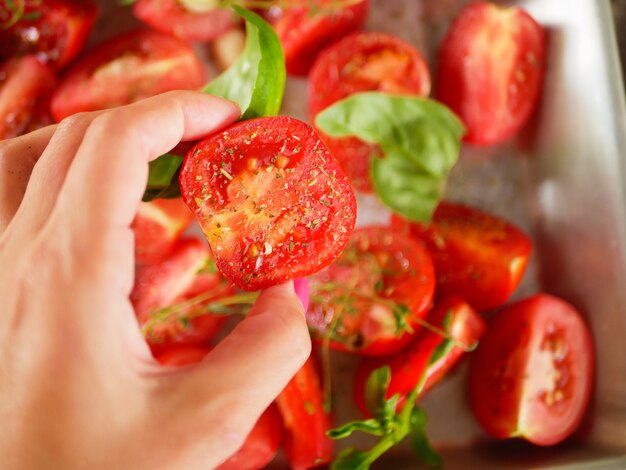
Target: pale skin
x,y
78,386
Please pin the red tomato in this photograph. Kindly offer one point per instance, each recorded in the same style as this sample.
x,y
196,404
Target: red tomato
x,y
185,274
358,301
54,30
477,256
157,227
127,68
177,356
171,17
357,63
532,375
408,366
301,406
491,67
304,32
23,84
271,200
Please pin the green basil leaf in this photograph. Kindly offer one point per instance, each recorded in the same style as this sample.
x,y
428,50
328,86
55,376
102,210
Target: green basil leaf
x,y
351,459
368,426
376,389
163,178
257,79
420,140
419,439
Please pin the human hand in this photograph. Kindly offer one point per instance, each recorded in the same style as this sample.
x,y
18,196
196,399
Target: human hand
x,y
78,386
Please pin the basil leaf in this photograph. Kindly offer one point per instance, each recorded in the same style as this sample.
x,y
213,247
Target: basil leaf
x,y
376,389
419,439
163,178
368,426
257,78
420,140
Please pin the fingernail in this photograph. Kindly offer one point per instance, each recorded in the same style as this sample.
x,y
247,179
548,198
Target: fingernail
x,y
301,286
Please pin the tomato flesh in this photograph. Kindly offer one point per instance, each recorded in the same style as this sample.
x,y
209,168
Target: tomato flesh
x,y
357,301
491,67
178,356
271,200
532,375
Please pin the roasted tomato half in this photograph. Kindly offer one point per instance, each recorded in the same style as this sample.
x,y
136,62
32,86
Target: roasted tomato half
x,y
491,67
478,257
357,63
370,299
53,30
271,200
429,357
125,69
305,30
532,374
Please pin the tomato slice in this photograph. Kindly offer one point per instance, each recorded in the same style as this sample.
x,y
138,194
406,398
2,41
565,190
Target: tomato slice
x,y
177,356
157,227
188,272
305,421
53,30
171,17
125,69
271,200
364,62
370,299
477,256
305,31
491,67
23,83
532,375
453,315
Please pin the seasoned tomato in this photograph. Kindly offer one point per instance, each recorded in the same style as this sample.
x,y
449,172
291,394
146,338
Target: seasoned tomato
x,y
157,227
53,30
305,420
491,67
179,18
370,299
127,68
532,374
477,256
357,63
24,83
305,31
451,316
169,297
271,200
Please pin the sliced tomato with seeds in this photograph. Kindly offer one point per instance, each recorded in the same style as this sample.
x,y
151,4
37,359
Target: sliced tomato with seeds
x,y
127,68
491,68
532,374
364,62
370,300
452,316
271,200
479,257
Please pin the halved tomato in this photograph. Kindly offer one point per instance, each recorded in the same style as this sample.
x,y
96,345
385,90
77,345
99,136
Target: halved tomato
x,y
271,200
370,299
454,317
125,69
24,83
357,63
169,297
178,18
157,227
491,67
478,257
532,374
307,27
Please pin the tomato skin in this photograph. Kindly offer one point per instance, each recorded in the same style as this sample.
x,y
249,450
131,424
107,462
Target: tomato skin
x,y
178,356
53,30
532,375
479,257
271,200
127,68
364,62
377,267
491,67
303,33
157,227
407,367
171,17
23,83
301,405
